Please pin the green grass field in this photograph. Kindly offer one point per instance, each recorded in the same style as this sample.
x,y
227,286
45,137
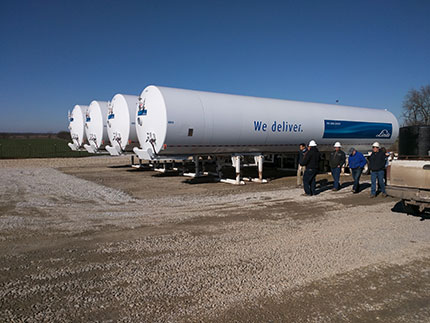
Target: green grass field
x,y
37,148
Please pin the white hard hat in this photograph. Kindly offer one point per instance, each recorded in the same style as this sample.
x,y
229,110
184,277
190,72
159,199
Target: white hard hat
x,y
312,143
375,144
337,144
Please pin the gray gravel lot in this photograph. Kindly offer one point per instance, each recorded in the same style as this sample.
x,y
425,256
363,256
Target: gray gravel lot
x,y
90,240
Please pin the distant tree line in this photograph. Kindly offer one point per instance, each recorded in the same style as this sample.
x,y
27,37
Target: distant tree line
x,y
416,107
63,135
15,135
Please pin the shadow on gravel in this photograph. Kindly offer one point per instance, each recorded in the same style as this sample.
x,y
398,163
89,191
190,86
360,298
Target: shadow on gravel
x,y
325,185
229,173
274,173
143,169
400,207
171,173
362,187
201,180
119,166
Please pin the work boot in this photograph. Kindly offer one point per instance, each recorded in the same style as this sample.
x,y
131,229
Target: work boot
x,y
384,195
372,196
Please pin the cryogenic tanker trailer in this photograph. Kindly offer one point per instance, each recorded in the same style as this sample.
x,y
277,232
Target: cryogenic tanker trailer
x,y
121,120
171,123
96,126
77,126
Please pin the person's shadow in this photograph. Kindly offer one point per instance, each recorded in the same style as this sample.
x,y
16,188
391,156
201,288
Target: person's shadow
x,y
325,185
413,210
361,186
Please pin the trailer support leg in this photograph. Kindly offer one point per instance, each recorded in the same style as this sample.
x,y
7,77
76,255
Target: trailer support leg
x,y
197,169
196,164
183,170
259,160
219,168
236,164
203,166
139,165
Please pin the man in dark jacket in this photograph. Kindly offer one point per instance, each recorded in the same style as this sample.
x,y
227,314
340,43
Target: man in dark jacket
x,y
377,166
337,160
300,168
356,163
311,161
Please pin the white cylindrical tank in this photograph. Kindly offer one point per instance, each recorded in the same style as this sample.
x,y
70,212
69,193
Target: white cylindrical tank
x,y
77,126
95,126
173,121
121,123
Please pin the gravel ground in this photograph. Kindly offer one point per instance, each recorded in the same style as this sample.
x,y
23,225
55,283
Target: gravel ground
x,y
90,240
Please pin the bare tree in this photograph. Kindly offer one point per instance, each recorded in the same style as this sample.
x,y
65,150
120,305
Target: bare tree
x,y
416,107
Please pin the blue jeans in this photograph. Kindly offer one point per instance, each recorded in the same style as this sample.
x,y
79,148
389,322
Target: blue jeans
x,y
356,174
309,183
380,176
335,172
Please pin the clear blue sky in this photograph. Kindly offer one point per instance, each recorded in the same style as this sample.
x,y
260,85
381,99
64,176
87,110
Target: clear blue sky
x,y
55,54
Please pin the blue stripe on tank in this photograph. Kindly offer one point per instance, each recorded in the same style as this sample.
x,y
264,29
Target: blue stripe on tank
x,y
356,129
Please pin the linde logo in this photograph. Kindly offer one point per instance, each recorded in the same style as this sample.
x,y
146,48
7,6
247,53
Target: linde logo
x,y
384,134
283,126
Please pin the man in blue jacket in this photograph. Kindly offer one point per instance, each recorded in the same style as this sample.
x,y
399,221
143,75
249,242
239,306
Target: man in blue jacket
x,y
356,162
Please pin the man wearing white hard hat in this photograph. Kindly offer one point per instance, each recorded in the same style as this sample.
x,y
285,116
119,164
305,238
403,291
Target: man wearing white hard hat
x,y
377,166
311,161
336,161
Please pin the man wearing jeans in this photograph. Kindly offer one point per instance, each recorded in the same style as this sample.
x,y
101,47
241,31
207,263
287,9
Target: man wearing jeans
x,y
356,163
337,160
311,161
377,166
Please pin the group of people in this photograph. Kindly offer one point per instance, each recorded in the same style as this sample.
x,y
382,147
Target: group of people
x,y
309,160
